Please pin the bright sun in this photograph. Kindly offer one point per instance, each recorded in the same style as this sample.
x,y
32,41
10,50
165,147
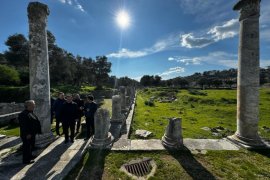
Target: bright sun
x,y
123,19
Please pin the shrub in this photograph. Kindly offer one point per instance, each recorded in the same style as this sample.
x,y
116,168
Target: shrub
x,y
149,103
14,94
9,75
196,92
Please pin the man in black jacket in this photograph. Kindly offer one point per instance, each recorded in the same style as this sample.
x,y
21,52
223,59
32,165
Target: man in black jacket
x,y
80,105
57,106
69,115
90,109
29,127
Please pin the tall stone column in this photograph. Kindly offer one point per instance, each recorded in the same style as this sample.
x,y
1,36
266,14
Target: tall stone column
x,y
116,110
248,75
39,68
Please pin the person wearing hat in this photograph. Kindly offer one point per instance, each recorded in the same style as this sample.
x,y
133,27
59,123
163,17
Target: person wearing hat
x,y
69,115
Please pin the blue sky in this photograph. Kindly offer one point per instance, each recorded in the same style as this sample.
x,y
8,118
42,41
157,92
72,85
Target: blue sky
x,y
169,38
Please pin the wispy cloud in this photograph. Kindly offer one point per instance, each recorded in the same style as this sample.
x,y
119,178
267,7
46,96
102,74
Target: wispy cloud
x,y
172,72
74,3
161,45
264,63
216,58
126,53
228,29
186,60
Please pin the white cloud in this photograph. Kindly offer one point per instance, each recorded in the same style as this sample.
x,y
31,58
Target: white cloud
x,y
185,60
227,30
189,41
125,53
76,4
216,58
161,45
172,72
264,63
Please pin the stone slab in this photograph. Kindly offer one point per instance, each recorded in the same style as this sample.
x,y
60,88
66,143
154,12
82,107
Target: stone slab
x,y
9,142
209,144
146,145
122,145
191,144
54,162
2,136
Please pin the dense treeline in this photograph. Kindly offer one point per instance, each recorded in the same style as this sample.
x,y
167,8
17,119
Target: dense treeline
x,y
207,79
65,68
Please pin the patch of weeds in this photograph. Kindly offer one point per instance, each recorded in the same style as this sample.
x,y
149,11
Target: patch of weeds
x,y
228,101
193,99
149,103
207,101
197,92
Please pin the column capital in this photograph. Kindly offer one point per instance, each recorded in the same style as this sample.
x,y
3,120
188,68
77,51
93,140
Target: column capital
x,y
37,10
247,8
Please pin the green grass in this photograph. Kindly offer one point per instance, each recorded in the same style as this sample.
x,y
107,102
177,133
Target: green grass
x,y
10,130
107,104
207,108
177,165
71,89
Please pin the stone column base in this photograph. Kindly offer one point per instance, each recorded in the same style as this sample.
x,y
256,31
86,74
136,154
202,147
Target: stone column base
x,y
43,140
101,143
172,143
247,143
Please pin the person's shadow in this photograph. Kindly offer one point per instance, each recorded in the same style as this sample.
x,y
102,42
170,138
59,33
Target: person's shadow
x,y
92,168
193,167
42,166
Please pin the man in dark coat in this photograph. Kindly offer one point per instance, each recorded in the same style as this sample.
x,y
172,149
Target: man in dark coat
x,y
80,105
29,127
69,115
52,113
57,106
90,109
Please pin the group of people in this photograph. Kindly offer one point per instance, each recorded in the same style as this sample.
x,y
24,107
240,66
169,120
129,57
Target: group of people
x,y
67,110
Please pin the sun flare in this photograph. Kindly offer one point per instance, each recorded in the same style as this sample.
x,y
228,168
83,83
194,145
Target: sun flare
x,y
123,19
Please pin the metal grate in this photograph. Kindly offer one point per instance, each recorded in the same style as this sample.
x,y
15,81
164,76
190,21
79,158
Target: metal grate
x,y
139,168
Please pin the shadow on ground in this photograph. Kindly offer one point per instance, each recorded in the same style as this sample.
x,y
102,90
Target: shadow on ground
x,y
91,166
191,165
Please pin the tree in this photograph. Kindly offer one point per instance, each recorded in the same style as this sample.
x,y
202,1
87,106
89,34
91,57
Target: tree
x,y
156,80
9,75
18,51
217,83
3,59
229,82
202,82
146,80
102,70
